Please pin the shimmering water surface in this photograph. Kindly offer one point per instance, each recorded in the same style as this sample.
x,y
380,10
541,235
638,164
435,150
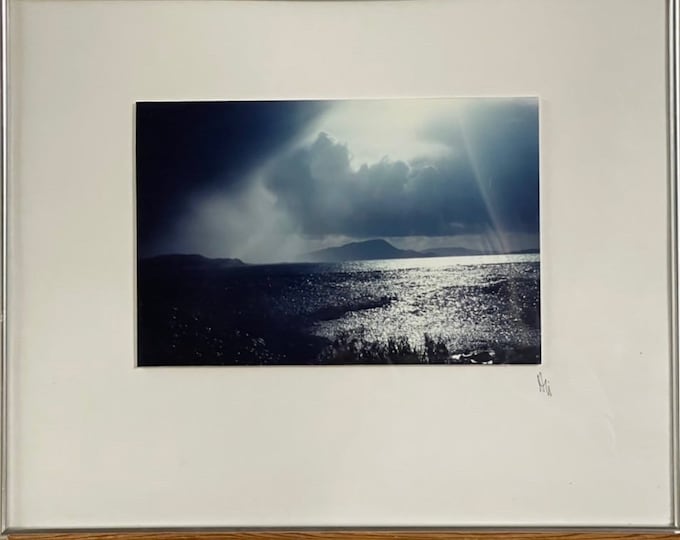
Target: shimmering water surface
x,y
431,310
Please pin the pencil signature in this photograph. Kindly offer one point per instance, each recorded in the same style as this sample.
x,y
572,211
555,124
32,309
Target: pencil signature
x,y
543,384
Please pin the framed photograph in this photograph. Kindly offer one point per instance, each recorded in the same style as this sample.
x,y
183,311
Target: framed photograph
x,y
339,265
265,240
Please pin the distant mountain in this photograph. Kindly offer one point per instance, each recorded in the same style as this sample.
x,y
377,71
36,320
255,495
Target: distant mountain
x,y
381,249
361,251
355,251
465,252
454,252
191,262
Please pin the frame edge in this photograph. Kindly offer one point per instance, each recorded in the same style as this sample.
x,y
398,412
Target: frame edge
x,y
152,533
4,145
673,187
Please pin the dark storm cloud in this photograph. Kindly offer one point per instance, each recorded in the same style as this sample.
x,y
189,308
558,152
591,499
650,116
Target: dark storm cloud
x,y
388,198
185,150
488,181
268,181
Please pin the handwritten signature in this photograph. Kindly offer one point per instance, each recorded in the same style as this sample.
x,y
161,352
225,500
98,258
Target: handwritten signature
x,y
543,384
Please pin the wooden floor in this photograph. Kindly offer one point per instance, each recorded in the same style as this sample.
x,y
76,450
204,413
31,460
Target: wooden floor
x,y
350,535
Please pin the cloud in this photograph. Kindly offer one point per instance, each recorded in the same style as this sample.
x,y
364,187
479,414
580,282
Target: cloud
x,y
318,186
400,169
395,128
486,180
187,151
246,224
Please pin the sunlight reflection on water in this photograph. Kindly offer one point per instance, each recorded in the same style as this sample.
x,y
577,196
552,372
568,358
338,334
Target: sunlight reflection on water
x,y
468,302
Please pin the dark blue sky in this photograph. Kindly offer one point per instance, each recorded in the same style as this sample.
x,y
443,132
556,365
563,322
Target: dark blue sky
x,y
265,181
185,149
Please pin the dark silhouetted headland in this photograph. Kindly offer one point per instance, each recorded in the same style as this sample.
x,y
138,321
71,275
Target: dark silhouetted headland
x,y
187,262
382,249
455,252
361,251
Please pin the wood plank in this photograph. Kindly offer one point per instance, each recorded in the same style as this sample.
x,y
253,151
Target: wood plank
x,y
350,535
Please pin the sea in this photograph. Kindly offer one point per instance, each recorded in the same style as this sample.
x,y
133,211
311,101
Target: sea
x,y
437,310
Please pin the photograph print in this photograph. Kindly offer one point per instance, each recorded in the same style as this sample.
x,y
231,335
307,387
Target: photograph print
x,y
338,232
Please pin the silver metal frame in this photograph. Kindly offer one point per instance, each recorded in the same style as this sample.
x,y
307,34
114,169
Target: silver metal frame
x,y
673,140
4,146
673,46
